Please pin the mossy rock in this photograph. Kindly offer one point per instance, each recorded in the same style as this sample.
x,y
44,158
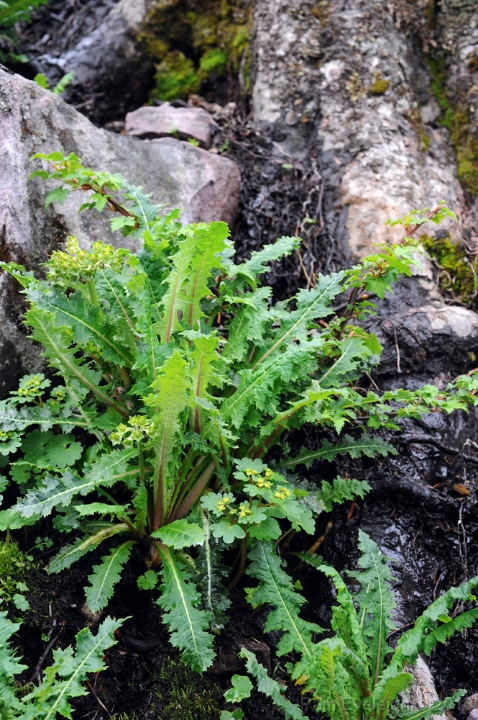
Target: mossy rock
x,y
194,40
457,274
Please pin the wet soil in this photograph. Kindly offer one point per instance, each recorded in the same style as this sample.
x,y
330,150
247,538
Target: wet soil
x,y
416,511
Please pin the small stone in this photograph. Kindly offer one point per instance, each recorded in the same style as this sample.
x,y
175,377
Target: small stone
x,y
184,123
473,715
471,703
291,118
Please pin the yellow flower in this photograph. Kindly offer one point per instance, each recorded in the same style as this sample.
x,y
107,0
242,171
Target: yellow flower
x,y
244,510
268,473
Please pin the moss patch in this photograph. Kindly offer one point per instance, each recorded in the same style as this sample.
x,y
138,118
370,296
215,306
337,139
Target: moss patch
x,y
379,85
457,271
15,569
194,40
456,117
181,693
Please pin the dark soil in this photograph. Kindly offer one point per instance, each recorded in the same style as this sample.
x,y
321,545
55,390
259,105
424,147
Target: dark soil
x,y
416,510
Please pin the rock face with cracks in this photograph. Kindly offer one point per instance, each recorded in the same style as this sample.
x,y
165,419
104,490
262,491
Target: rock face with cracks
x,y
345,83
204,186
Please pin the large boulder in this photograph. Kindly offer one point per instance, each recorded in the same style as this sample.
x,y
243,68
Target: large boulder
x,y
203,185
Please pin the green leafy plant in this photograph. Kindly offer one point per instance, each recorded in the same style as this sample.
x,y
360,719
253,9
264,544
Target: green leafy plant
x,y
61,85
12,12
354,674
63,679
183,375
14,568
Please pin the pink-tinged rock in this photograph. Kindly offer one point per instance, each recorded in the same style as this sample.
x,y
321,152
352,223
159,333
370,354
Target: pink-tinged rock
x,y
471,703
212,183
473,715
163,121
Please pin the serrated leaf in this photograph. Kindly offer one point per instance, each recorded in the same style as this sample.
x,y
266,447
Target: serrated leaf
x,y
180,534
269,687
367,445
186,622
53,696
71,553
106,575
59,491
276,588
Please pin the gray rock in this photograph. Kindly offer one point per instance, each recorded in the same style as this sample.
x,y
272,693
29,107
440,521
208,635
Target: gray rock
x,y
371,149
204,186
165,121
112,73
471,703
473,715
422,692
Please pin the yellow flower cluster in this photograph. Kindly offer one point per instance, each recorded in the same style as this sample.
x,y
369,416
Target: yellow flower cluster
x,y
282,493
222,504
244,510
31,386
75,262
134,432
261,482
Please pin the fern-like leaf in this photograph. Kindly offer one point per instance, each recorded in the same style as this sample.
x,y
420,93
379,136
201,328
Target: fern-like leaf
x,y
59,491
186,622
56,343
64,678
438,708
269,687
365,445
171,396
376,602
106,575
71,553
9,667
276,589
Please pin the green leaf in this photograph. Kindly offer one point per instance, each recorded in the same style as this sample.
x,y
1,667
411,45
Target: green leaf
x,y
438,708
365,445
269,687
276,588
227,531
241,689
171,396
186,622
58,195
60,451
71,553
20,602
59,491
180,534
56,343
376,602
106,575
148,581
54,694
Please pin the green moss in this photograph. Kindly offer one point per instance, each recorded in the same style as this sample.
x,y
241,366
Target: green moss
x,y
379,85
15,568
212,35
457,275
456,118
181,693
175,77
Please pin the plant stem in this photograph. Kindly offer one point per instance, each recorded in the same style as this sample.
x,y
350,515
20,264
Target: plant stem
x,y
196,492
90,284
242,564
